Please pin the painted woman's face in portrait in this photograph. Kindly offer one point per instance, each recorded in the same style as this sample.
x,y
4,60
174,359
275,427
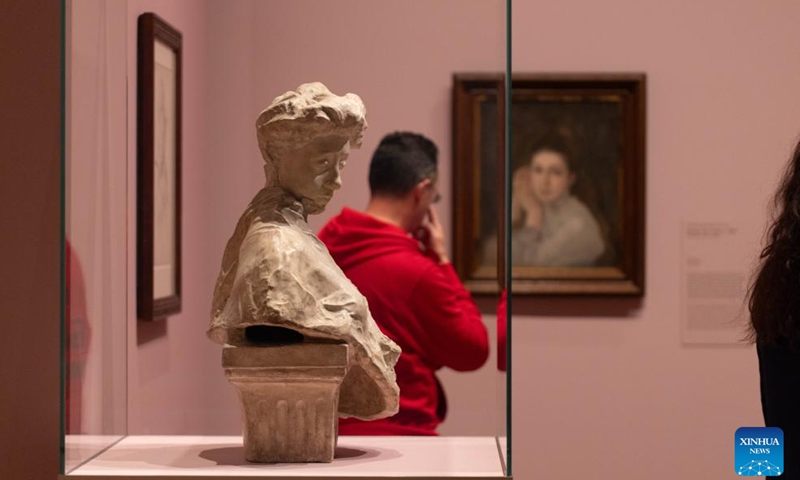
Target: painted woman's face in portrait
x,y
550,176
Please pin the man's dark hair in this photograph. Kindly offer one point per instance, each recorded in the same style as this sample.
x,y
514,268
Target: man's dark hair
x,y
401,161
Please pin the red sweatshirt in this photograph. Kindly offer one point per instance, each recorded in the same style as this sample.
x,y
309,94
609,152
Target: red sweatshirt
x,y
416,302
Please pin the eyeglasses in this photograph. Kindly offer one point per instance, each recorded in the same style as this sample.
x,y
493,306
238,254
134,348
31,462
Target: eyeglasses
x,y
436,195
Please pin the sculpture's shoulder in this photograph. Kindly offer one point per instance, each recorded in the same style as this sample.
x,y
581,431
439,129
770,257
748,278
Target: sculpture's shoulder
x,y
272,233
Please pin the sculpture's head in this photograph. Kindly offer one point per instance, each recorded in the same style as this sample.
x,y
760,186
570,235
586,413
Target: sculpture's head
x,y
305,137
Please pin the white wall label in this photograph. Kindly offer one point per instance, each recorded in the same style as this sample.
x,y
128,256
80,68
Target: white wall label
x,y
715,271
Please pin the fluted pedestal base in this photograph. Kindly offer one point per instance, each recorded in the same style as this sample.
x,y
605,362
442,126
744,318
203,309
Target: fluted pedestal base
x,y
290,399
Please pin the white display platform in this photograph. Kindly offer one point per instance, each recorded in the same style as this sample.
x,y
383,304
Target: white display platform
x,y
223,457
80,448
502,449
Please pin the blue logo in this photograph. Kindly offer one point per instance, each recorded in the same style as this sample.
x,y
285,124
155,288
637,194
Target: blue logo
x,y
759,451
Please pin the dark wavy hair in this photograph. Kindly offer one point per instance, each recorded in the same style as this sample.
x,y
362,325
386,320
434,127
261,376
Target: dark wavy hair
x,y
555,144
775,292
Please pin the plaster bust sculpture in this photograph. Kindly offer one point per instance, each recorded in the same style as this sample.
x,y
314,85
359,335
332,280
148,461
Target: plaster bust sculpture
x,y
278,283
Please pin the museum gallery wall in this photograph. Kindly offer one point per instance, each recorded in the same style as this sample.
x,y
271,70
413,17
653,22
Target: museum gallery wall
x,y
226,79
716,103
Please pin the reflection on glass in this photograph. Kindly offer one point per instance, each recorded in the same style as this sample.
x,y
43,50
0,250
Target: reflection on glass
x,y
96,250
79,334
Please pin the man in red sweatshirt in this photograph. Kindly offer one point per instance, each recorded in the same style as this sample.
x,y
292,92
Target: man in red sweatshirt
x,y
395,254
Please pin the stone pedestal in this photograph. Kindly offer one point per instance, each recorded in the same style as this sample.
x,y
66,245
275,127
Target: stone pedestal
x,y
290,399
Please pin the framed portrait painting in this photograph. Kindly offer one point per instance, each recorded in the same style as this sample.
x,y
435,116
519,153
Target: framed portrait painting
x,y
158,245
575,177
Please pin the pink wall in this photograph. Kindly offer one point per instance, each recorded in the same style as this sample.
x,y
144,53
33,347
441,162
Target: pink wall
x,y
618,392
236,59
170,362
97,210
608,383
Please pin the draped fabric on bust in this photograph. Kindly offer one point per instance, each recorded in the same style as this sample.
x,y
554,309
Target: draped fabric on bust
x,y
275,272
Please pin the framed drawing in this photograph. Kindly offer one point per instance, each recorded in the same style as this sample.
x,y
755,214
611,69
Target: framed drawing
x,y
577,183
158,246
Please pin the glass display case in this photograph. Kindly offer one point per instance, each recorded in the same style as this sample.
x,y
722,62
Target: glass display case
x,y
144,390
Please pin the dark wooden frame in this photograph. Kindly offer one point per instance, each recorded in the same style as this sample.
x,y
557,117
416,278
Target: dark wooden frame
x,y
151,29
628,275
